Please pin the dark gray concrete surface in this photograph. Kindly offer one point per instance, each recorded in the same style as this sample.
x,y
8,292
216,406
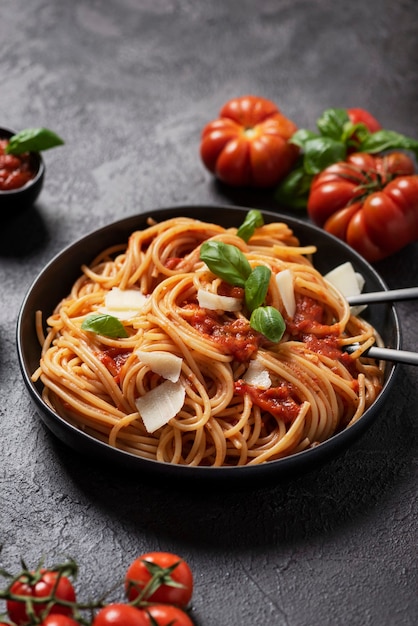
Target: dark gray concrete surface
x,y
129,84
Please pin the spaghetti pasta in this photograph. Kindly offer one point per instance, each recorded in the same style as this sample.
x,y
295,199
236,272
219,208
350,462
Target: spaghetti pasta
x,y
99,383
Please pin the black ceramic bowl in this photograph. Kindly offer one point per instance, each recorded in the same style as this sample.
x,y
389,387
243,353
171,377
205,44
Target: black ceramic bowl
x,y
15,201
55,281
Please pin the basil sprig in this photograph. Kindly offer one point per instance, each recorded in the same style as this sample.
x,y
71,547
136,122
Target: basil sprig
x,y
33,140
226,261
337,134
104,324
230,264
253,220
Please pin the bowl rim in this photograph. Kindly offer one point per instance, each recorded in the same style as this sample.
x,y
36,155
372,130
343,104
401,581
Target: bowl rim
x,y
288,465
6,133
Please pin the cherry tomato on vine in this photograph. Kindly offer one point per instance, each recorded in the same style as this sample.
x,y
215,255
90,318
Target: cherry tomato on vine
x,y
168,615
173,578
361,116
40,584
119,614
370,202
248,144
55,619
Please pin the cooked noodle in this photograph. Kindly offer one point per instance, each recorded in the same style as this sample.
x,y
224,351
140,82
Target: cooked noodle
x,y
94,381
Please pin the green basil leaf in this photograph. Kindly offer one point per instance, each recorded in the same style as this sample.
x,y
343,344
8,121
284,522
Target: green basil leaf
x,y
293,190
33,140
103,324
354,134
301,136
331,123
269,322
256,286
383,140
322,152
253,220
226,261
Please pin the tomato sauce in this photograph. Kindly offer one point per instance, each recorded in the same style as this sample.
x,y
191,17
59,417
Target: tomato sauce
x,y
114,359
15,170
309,313
277,401
234,336
172,262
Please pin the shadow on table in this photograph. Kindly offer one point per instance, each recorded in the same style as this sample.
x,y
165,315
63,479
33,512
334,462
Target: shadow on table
x,y
226,517
22,234
262,199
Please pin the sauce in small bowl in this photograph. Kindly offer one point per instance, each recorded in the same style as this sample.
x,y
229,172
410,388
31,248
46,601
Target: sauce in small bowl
x,y
21,178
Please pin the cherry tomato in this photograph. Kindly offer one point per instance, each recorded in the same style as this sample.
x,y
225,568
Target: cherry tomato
x,y
40,586
361,116
248,144
371,202
173,573
55,619
121,615
168,615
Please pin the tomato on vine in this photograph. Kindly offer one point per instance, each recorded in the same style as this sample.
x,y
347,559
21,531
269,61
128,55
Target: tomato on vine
x,y
340,133
160,577
119,614
46,590
167,615
361,116
57,619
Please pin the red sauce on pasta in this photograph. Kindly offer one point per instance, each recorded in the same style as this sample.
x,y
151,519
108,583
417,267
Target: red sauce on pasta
x,y
235,337
15,170
309,313
277,401
114,359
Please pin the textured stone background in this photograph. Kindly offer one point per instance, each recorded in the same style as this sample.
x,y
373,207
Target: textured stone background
x,y
129,84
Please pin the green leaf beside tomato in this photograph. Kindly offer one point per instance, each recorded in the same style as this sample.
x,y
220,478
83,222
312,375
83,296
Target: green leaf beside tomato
x,y
33,140
340,133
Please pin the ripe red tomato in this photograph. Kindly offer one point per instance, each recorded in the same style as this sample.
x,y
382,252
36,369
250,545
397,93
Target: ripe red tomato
x,y
361,116
172,572
40,586
121,615
371,202
248,144
168,615
55,619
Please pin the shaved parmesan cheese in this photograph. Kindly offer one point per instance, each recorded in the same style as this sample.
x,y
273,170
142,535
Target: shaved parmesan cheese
x,y
284,282
165,364
158,406
125,299
360,281
257,375
123,303
348,282
214,302
121,314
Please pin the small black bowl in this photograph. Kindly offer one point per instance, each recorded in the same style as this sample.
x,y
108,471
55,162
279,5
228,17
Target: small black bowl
x,y
57,278
15,201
